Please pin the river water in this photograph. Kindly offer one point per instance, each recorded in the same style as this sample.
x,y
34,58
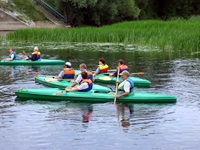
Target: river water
x,y
30,125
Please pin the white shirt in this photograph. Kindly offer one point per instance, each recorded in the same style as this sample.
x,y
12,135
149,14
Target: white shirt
x,y
83,86
125,85
12,56
79,78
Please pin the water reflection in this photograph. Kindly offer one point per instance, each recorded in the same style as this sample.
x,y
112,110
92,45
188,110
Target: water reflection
x,y
81,112
124,113
57,125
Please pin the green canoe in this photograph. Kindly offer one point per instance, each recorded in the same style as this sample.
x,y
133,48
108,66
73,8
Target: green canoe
x,y
29,62
62,84
105,78
55,94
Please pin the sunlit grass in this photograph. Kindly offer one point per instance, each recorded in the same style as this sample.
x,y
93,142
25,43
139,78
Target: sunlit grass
x,y
165,35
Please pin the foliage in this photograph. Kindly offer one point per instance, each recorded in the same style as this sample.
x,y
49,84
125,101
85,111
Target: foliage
x,y
101,12
168,9
27,8
166,35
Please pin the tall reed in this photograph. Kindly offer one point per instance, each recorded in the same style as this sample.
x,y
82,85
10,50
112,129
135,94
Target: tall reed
x,y
165,35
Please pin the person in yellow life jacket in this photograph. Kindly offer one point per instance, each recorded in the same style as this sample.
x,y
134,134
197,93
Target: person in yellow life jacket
x,y
102,67
120,66
83,68
84,86
34,56
67,73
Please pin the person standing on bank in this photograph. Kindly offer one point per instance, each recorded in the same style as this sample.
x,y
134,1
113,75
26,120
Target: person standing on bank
x,y
67,73
120,66
102,67
126,87
12,55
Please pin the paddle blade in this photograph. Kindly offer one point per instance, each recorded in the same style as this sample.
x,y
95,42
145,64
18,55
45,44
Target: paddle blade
x,y
106,78
60,92
50,79
24,53
137,73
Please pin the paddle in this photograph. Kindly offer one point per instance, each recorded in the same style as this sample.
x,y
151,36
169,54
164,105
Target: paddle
x,y
49,79
24,53
106,78
130,73
116,90
60,92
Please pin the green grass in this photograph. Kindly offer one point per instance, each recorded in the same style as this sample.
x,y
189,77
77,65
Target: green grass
x,y
25,7
165,35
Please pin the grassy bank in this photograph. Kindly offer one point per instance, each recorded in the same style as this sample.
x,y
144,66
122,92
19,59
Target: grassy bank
x,y
26,9
166,35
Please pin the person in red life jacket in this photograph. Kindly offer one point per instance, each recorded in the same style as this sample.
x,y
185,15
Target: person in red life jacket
x,y
121,66
67,73
126,87
12,55
102,67
84,86
79,78
34,56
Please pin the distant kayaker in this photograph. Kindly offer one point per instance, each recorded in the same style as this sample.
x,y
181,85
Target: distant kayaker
x,y
121,66
12,55
84,86
102,67
67,73
126,87
34,56
79,78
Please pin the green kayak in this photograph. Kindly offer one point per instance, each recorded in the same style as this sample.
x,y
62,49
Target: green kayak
x,y
55,94
105,78
62,84
29,62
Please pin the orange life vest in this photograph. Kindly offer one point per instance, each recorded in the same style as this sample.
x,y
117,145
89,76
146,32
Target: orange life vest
x,y
123,67
68,74
90,85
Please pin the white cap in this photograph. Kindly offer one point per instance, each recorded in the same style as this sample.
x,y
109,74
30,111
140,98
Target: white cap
x,y
36,48
68,63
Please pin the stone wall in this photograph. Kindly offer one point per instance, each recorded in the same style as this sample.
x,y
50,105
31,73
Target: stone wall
x,y
9,23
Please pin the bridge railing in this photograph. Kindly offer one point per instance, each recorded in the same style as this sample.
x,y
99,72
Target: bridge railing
x,y
51,10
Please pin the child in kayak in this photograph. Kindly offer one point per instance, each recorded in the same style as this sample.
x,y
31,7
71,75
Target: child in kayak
x,y
120,66
84,86
12,55
83,68
67,73
102,67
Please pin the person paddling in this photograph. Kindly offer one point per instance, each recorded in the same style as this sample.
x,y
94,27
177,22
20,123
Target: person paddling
x,y
84,86
102,67
67,73
121,66
12,55
126,87
79,78
34,56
